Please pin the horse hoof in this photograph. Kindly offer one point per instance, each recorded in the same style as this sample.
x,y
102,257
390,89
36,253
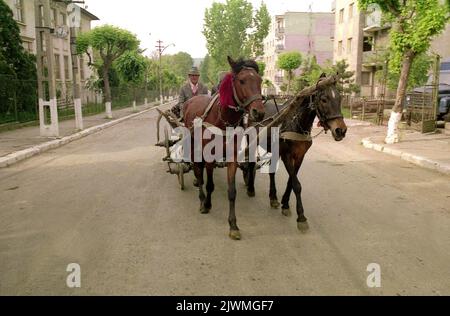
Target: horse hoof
x,y
204,210
303,227
196,183
235,235
275,204
251,194
286,212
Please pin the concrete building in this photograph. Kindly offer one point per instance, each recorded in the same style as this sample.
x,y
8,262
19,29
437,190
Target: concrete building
x,y
25,15
362,40
309,33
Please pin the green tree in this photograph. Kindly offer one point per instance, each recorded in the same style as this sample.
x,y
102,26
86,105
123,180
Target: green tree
x,y
415,23
110,43
17,68
418,76
231,29
346,84
131,67
310,74
289,62
262,67
179,63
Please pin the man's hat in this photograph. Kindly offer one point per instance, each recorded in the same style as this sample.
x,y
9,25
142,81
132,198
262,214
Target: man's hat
x,y
194,72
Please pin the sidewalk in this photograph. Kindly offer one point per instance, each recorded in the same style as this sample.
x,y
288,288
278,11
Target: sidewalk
x,y
431,151
26,137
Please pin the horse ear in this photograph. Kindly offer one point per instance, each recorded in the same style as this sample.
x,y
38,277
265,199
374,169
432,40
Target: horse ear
x,y
231,61
323,75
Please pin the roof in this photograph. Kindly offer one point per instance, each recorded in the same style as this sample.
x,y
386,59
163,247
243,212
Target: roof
x,y
89,14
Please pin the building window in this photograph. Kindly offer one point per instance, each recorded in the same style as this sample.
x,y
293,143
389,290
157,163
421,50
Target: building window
x,y
340,48
62,19
53,18
367,44
66,67
351,9
57,67
365,78
349,45
18,5
341,16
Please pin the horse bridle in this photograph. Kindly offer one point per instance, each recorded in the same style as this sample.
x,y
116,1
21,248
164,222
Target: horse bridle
x,y
323,119
242,105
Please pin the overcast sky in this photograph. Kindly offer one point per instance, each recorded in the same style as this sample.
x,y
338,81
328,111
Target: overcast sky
x,y
178,21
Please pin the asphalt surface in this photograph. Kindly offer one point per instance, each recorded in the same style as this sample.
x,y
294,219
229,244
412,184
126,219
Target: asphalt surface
x,y
106,203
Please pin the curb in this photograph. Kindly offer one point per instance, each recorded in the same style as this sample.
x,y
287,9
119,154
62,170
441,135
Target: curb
x,y
18,156
414,159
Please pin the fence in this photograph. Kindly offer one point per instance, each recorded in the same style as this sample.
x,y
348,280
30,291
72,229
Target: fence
x,y
18,100
368,108
421,111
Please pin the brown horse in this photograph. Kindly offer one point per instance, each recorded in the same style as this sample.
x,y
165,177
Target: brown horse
x,y
240,94
296,141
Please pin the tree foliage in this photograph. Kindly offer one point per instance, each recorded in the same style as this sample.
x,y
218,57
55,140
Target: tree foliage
x,y
109,42
346,84
289,62
179,63
132,66
232,29
17,67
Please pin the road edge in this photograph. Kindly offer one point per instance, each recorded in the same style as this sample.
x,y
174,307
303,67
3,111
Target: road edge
x,y
411,158
22,155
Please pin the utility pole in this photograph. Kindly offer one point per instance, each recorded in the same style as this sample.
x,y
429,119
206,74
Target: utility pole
x,y
161,50
45,70
74,14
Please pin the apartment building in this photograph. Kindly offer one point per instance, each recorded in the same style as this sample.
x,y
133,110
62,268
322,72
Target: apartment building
x,y
362,39
25,15
309,33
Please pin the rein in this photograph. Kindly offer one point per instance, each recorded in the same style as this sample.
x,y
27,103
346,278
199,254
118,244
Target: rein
x,y
242,105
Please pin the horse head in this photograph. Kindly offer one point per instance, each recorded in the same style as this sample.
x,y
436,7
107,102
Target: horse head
x,y
246,88
328,108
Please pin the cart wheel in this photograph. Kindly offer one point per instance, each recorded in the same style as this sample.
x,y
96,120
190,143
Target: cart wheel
x,y
167,141
181,175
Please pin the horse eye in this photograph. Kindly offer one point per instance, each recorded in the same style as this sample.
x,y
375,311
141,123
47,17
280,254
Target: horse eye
x,y
324,99
242,81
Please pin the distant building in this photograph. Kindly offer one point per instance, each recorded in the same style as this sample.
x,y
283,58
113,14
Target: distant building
x,y
362,40
25,15
309,33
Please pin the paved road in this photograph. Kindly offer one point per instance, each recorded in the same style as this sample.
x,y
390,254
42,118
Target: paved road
x,y
106,203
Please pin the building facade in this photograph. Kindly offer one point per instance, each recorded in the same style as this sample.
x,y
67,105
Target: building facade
x,y
306,32
25,15
362,40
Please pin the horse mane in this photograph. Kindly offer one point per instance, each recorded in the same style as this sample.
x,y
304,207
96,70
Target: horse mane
x,y
226,86
242,63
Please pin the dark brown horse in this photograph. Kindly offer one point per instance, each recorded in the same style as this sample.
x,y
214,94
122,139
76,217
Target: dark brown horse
x,y
296,141
240,94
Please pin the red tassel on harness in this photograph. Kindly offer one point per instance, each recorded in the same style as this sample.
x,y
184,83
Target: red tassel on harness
x,y
226,92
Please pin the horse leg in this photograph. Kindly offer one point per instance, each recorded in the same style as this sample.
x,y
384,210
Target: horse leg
x,y
273,192
198,171
287,194
209,186
302,221
234,230
251,179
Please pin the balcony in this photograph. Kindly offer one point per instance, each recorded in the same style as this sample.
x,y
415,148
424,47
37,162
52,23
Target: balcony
x,y
279,32
374,58
279,80
373,21
279,48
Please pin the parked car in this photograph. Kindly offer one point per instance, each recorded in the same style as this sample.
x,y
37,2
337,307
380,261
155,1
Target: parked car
x,y
444,91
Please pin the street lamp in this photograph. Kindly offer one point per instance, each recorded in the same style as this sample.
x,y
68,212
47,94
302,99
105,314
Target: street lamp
x,y
161,50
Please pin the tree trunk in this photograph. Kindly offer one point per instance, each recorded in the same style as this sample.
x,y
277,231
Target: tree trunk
x,y
289,83
107,87
397,111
